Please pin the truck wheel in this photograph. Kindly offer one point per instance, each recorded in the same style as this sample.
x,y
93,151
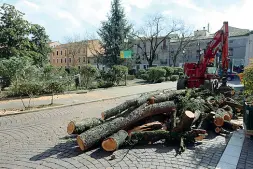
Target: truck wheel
x,y
181,84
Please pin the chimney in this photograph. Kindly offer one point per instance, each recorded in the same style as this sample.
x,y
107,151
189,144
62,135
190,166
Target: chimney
x,y
208,27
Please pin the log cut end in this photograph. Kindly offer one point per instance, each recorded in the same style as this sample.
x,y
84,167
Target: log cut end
x,y
217,130
227,117
71,127
219,121
190,114
103,116
109,145
151,100
80,143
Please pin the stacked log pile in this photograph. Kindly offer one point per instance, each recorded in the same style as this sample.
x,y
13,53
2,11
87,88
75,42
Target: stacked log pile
x,y
179,116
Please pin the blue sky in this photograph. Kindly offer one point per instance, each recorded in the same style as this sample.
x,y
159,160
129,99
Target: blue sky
x,y
63,18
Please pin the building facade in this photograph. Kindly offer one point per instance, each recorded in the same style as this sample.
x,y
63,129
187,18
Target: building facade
x,y
75,54
238,40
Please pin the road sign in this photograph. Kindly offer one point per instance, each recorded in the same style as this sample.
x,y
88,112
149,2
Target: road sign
x,y
126,54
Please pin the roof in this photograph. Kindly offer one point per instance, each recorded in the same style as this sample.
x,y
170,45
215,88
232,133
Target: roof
x,y
233,31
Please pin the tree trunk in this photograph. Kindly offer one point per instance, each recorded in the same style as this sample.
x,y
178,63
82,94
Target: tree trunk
x,y
147,127
167,96
197,115
113,142
206,121
137,102
96,134
52,99
229,110
185,122
220,116
77,127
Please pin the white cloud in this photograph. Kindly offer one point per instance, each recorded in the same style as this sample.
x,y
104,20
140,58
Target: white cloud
x,y
187,4
140,3
69,17
31,5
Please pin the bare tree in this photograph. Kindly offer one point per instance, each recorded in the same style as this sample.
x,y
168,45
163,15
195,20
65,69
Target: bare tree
x,y
153,34
95,48
74,45
183,41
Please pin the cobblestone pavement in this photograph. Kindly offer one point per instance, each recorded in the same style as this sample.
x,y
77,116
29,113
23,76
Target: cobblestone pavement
x,y
246,157
39,140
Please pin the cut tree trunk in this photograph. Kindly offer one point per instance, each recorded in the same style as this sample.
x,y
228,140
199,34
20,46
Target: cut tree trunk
x,y
185,122
229,110
96,134
77,127
134,102
147,127
113,142
167,96
220,116
206,120
197,115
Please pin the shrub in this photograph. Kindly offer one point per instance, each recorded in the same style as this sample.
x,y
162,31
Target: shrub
x,y
169,70
130,77
155,73
248,80
119,73
140,72
174,78
145,77
167,78
161,79
88,74
104,84
177,70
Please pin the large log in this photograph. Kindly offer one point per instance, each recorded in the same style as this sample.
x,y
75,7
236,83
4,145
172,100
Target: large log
x,y
77,127
138,101
206,121
113,142
96,134
229,110
167,96
197,115
149,137
185,122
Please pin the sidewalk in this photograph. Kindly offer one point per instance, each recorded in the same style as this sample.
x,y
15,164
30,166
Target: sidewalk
x,y
74,98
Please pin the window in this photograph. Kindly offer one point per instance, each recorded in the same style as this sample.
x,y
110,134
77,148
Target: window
x,y
79,67
57,60
79,60
83,59
65,52
69,60
57,53
65,60
88,60
231,41
61,52
231,51
61,60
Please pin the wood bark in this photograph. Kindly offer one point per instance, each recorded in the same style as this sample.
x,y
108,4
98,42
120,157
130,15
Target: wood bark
x,y
220,116
147,127
77,127
229,110
206,120
167,96
138,101
113,142
96,134
185,122
197,115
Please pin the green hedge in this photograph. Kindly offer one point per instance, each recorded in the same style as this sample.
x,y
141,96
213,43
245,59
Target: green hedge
x,y
174,78
155,73
140,73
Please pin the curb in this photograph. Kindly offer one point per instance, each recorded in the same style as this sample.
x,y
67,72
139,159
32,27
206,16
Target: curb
x,y
75,104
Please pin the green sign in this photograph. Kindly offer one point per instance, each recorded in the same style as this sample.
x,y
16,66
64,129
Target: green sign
x,y
126,54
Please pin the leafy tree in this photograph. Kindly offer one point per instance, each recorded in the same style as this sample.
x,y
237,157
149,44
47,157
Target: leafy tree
x,y
113,32
120,73
20,38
